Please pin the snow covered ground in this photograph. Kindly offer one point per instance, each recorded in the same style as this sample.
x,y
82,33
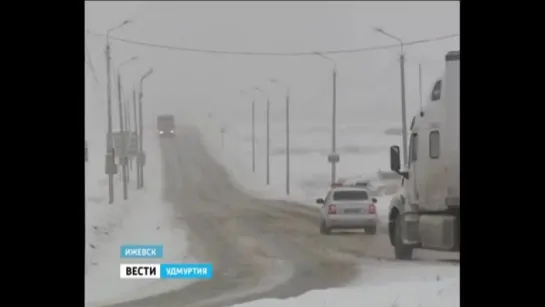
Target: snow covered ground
x,y
385,285
363,153
144,218
196,85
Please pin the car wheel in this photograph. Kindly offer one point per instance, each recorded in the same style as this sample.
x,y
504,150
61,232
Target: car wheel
x,y
401,251
324,229
370,230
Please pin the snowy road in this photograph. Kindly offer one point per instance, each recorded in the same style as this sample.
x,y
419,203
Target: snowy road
x,y
259,248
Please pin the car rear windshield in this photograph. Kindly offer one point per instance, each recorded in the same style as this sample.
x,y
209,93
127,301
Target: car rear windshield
x,y
350,195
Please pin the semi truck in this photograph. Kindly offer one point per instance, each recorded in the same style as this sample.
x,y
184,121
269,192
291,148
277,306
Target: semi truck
x,y
426,213
165,125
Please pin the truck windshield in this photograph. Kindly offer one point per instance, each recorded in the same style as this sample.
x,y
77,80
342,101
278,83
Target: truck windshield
x,y
165,123
350,195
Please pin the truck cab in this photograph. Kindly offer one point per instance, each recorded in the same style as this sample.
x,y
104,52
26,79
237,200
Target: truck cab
x,y
426,214
165,125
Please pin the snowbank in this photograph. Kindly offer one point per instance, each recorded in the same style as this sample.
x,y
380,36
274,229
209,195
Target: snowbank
x,y
445,293
143,219
238,168
385,284
101,218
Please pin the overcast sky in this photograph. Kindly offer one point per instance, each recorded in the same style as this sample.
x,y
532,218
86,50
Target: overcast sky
x,y
367,82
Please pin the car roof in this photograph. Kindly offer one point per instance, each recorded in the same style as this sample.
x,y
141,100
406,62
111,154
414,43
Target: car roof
x,y
350,188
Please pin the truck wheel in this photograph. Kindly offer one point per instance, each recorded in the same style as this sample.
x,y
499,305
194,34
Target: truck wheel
x,y
370,230
402,251
324,229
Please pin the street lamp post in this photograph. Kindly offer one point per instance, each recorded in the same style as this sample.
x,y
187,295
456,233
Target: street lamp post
x,y
253,132
141,159
268,159
287,132
403,105
127,108
135,125
111,169
333,158
123,154
127,122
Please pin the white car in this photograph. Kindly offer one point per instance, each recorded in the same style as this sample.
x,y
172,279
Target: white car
x,y
348,207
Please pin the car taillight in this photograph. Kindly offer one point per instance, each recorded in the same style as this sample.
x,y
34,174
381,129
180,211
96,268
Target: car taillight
x,y
371,208
332,209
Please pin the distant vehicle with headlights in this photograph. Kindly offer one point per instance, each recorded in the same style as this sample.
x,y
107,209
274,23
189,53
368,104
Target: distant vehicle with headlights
x,y
165,125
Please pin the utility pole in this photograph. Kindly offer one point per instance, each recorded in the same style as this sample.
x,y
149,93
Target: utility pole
x,y
123,154
111,168
126,107
135,113
86,169
288,143
134,110
420,88
141,160
124,123
333,157
334,129
287,133
134,119
253,135
268,141
403,108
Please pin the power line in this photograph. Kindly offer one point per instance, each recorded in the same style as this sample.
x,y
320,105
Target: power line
x,y
313,53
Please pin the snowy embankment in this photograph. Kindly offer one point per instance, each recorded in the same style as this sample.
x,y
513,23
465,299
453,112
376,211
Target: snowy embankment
x,y
101,218
144,218
416,294
310,172
422,286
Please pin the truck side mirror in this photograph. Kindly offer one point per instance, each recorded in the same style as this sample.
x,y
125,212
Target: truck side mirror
x,y
320,201
395,164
